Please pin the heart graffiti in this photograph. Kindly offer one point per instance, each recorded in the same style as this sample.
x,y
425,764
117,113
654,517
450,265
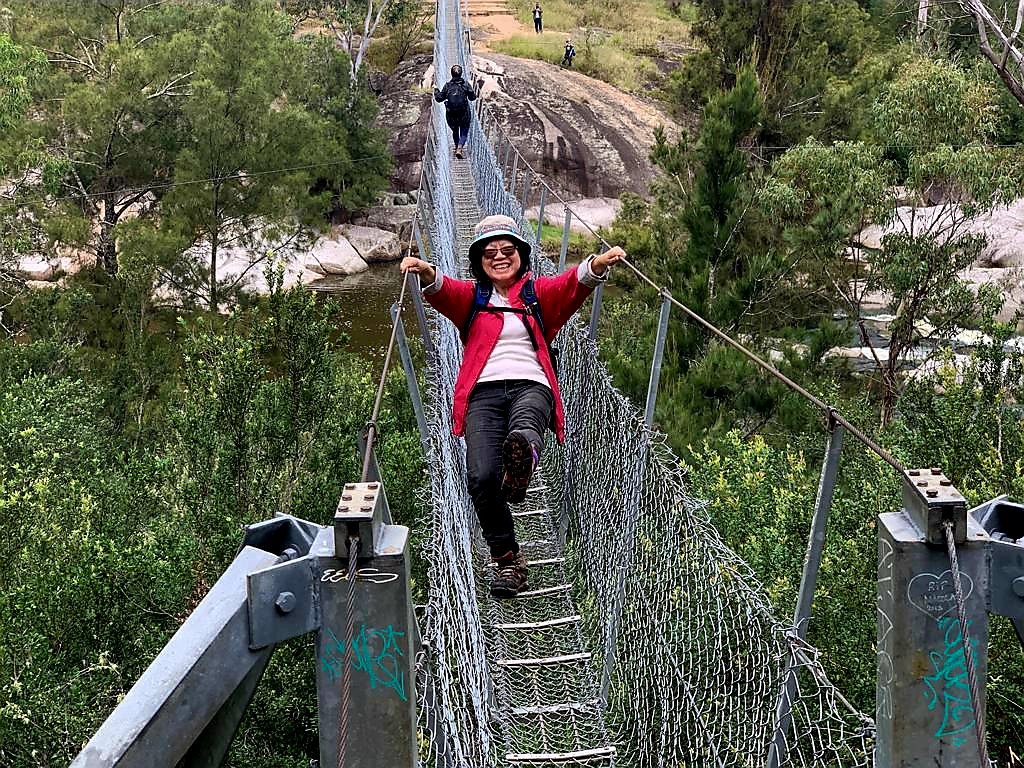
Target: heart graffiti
x,y
933,594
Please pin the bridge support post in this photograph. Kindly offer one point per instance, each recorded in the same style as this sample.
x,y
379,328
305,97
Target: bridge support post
x,y
540,215
504,162
365,642
659,356
514,173
565,238
417,301
924,710
527,173
812,562
410,374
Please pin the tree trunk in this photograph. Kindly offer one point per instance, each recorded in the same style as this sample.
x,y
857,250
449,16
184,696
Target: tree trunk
x,y
214,246
213,271
922,16
769,25
107,253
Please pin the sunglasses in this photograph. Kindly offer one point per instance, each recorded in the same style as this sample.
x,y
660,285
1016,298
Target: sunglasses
x,y
505,250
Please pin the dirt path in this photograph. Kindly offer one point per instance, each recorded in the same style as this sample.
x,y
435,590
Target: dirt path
x,y
492,20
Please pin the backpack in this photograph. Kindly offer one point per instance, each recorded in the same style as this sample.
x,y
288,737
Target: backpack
x,y
528,294
457,100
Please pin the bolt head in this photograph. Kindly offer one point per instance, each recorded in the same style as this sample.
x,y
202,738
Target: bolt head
x,y
931,493
1018,586
285,602
914,472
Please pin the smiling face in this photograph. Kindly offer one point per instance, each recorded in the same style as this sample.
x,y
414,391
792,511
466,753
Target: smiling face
x,y
501,262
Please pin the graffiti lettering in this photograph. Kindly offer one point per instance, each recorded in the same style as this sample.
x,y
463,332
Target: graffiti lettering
x,y
332,655
886,674
949,685
370,575
376,652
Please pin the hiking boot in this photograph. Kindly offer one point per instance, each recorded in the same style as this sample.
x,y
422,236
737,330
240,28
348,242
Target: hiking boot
x,y
510,577
458,152
519,458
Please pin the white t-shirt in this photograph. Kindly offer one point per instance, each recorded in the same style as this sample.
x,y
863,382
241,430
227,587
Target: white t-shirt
x,y
514,356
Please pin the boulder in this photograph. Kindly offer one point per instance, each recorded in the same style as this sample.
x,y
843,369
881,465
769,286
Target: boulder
x,y
589,214
393,218
334,256
586,137
372,244
35,267
405,113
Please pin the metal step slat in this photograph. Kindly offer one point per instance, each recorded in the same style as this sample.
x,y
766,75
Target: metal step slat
x,y
556,709
561,757
531,512
559,622
544,592
546,561
546,661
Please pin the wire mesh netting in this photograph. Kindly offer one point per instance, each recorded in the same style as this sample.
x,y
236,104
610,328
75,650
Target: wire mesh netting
x,y
643,639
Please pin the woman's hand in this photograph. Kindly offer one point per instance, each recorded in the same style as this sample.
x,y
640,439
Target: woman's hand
x,y
600,263
420,267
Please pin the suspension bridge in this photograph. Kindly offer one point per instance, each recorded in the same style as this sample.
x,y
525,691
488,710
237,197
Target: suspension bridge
x,y
642,641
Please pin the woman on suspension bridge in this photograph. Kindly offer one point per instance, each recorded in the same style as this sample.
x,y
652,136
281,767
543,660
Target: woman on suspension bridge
x,y
506,393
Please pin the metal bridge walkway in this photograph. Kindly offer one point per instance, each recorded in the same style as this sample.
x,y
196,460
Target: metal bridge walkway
x,y
545,688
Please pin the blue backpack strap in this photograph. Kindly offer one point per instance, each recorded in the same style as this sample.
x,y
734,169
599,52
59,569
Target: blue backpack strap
x,y
528,294
481,298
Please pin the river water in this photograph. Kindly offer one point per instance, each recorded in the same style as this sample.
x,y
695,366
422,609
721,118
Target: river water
x,y
364,302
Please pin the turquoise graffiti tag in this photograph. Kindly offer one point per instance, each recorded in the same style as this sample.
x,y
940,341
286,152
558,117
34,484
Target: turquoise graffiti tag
x,y
375,652
948,684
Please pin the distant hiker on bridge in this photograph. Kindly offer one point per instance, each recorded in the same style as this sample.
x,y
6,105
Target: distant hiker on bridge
x,y
538,19
570,53
456,95
506,393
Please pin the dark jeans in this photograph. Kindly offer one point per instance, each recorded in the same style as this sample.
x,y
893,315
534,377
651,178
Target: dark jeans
x,y
538,26
459,123
495,409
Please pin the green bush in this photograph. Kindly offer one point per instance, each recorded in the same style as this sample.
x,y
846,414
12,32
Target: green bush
x,y
110,536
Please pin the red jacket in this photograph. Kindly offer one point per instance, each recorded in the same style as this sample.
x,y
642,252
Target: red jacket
x,y
559,298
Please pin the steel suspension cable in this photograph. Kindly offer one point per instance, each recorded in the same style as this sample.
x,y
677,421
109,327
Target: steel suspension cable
x,y
371,425
828,410
972,681
346,675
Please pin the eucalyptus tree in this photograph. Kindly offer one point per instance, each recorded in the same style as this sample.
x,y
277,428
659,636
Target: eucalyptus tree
x,y
27,172
353,23
113,102
931,136
274,135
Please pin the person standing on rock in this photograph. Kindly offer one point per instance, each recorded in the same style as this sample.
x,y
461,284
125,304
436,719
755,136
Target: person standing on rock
x,y
456,95
506,391
538,20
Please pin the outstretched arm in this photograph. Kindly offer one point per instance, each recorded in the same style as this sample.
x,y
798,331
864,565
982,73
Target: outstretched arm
x,y
441,95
